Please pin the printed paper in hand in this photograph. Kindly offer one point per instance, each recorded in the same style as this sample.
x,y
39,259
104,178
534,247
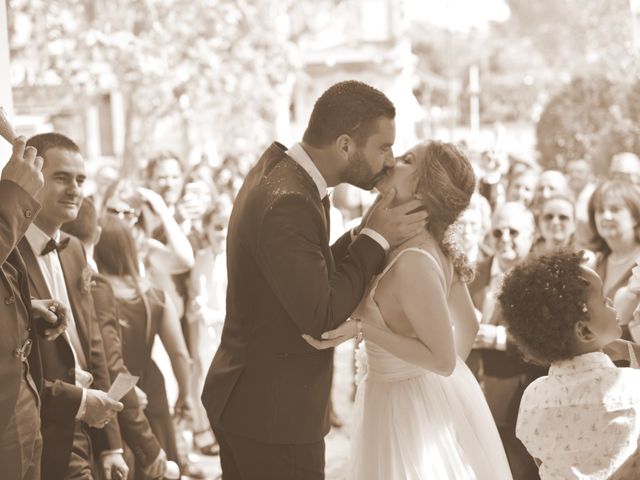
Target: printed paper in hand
x,y
122,384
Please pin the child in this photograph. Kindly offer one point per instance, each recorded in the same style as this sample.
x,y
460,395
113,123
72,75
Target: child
x,y
583,419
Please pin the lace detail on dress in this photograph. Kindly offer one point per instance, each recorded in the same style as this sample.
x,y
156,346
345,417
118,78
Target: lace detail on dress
x,y
362,363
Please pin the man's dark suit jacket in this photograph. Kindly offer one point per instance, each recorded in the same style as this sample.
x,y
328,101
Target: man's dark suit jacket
x,y
499,363
60,396
134,425
265,381
17,210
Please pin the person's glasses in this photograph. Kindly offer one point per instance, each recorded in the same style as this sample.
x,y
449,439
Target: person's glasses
x,y
499,233
548,217
125,214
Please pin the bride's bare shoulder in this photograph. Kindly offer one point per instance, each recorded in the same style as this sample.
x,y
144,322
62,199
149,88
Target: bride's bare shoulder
x,y
415,265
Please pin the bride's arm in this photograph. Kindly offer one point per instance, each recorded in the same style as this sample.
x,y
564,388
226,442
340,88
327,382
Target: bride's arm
x,y
418,286
465,322
416,281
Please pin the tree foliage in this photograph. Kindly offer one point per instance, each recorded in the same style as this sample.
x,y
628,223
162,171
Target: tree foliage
x,y
573,119
573,35
584,51
219,64
592,118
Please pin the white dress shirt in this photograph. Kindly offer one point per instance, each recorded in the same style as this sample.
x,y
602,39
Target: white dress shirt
x,y
304,160
582,421
54,278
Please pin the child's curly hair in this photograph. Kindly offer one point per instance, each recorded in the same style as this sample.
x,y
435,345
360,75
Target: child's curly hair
x,y
541,300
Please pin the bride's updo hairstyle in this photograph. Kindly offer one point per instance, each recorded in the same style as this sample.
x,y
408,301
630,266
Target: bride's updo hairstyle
x,y
446,182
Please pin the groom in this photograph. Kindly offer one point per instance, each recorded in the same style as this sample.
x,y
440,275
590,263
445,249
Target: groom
x,y
267,391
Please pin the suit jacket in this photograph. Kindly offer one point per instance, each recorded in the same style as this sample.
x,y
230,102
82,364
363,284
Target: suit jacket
x,y
60,396
284,279
17,210
134,425
496,365
622,281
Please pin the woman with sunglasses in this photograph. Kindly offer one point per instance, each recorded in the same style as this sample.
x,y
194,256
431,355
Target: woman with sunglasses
x,y
495,359
144,211
557,227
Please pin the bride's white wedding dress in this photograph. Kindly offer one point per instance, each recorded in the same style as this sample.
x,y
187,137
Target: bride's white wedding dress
x,y
410,423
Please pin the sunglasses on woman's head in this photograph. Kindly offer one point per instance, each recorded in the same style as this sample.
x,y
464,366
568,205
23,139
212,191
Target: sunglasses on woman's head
x,y
499,233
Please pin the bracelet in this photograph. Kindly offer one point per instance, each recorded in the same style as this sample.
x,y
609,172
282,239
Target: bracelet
x,y
359,335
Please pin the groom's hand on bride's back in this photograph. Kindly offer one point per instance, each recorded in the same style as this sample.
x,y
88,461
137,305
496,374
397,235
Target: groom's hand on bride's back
x,y
396,224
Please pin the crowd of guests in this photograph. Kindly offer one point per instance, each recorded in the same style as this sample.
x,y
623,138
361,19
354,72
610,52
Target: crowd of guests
x,y
519,218
89,283
520,214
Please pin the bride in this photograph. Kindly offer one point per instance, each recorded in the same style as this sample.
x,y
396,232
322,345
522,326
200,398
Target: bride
x,y
419,413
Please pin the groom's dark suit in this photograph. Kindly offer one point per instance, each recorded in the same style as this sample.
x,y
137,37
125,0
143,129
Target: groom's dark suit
x,y
265,382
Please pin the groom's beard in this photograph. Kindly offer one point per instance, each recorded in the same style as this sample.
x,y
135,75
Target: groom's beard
x,y
359,173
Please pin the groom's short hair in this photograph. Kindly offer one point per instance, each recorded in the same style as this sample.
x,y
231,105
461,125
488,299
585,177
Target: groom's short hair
x,y
349,107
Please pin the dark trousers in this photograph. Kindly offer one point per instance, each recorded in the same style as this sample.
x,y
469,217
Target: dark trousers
x,y
246,459
21,441
522,465
80,464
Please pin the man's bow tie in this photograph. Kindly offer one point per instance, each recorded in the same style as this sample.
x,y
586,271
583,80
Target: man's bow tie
x,y
53,245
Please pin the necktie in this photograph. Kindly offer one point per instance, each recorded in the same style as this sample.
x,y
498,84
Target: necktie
x,y
326,205
53,245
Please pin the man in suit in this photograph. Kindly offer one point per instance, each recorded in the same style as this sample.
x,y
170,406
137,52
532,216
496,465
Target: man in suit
x,y
134,426
20,370
495,358
267,391
76,411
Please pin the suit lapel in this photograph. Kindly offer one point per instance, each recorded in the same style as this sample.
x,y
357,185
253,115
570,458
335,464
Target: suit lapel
x,y
36,280
39,289
309,185
326,211
73,279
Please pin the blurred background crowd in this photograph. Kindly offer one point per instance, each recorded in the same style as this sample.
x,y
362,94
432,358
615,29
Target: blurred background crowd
x,y
171,101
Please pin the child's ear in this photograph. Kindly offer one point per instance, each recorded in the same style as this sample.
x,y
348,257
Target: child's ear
x,y
583,332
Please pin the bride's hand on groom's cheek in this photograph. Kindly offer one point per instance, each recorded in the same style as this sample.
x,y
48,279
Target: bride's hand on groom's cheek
x,y
333,338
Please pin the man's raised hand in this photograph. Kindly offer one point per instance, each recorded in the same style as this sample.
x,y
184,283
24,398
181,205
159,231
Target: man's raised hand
x,y
24,168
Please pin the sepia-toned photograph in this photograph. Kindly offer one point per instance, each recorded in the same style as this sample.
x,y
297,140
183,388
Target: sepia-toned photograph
x,y
320,239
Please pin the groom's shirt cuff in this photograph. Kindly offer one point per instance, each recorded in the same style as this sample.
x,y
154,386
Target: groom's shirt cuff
x,y
376,236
